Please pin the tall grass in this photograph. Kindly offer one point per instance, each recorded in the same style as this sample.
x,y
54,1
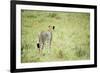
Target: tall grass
x,y
71,37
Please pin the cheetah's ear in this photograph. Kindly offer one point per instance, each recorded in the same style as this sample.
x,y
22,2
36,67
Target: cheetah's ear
x,y
53,27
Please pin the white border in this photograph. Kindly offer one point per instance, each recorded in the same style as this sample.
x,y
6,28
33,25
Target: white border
x,y
20,65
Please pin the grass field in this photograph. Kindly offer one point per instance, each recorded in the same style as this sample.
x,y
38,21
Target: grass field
x,y
71,37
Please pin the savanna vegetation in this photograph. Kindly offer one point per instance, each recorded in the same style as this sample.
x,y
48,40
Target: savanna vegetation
x,y
71,37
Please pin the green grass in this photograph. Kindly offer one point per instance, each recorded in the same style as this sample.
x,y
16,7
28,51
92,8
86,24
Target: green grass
x,y
71,37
